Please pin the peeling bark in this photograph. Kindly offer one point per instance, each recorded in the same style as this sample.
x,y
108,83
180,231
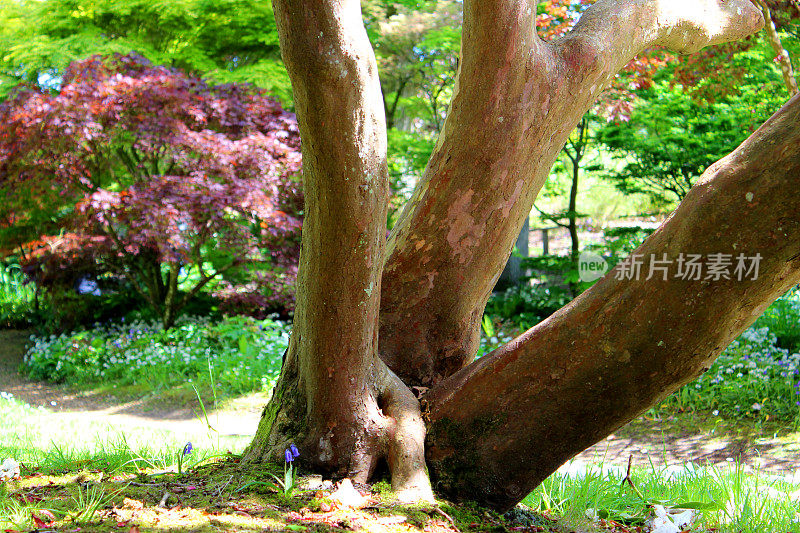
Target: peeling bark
x,y
624,345
516,101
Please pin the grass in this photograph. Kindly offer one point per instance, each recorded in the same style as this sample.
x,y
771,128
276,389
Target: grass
x,y
123,482
64,442
731,498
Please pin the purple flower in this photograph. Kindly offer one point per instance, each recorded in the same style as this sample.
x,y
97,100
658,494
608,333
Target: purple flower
x,y
294,450
187,449
289,456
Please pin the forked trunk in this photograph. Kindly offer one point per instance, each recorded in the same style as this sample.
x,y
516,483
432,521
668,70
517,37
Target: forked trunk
x,y
500,425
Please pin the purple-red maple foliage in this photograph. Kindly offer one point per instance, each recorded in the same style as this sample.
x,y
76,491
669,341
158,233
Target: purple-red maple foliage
x,y
156,175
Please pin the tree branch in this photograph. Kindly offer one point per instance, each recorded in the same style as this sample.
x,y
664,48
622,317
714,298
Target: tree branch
x,y
516,101
629,341
782,55
612,32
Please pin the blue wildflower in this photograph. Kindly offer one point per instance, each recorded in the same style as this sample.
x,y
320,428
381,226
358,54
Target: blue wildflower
x,y
187,449
294,450
289,456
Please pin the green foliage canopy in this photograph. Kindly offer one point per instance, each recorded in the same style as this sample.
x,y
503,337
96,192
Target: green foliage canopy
x,y
229,40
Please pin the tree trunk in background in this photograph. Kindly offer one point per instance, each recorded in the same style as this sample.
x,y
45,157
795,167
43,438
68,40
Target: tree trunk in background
x,y
502,425
513,273
499,425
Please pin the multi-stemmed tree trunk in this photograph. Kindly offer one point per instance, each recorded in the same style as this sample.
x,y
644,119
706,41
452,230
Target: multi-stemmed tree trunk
x,y
374,321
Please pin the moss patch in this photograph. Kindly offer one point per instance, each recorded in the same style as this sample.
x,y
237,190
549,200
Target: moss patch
x,y
219,496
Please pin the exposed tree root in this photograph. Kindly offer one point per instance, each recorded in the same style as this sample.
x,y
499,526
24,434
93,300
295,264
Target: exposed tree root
x,y
396,433
405,439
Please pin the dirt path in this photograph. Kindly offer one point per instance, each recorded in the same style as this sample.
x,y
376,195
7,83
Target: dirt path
x,y
106,408
648,441
666,442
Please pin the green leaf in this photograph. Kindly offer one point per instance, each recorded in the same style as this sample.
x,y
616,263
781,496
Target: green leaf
x,y
487,325
699,506
244,343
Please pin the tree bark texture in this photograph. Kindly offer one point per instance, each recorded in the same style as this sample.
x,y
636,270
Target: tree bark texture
x,y
336,400
372,321
624,344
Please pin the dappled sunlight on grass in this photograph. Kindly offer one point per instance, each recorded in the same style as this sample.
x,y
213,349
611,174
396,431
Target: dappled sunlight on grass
x,y
65,441
217,495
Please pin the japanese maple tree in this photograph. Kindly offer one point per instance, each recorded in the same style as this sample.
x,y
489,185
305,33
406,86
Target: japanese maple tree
x,y
155,173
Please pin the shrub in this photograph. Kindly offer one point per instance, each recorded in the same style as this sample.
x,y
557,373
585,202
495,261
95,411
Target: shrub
x,y
152,177
239,354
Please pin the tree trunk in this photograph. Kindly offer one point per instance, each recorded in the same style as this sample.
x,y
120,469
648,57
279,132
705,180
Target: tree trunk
x,y
335,399
782,55
516,101
170,303
502,425
513,272
567,382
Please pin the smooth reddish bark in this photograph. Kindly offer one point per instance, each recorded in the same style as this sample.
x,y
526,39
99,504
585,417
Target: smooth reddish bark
x,y
502,425
516,101
335,399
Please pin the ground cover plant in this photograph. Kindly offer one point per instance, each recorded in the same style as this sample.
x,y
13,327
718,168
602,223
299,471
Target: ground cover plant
x,y
229,356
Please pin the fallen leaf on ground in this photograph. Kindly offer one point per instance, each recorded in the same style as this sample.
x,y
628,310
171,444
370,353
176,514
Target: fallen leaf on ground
x,y
43,518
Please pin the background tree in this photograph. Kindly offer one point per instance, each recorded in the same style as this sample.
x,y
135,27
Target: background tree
x,y
159,175
671,135
375,319
782,55
230,41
